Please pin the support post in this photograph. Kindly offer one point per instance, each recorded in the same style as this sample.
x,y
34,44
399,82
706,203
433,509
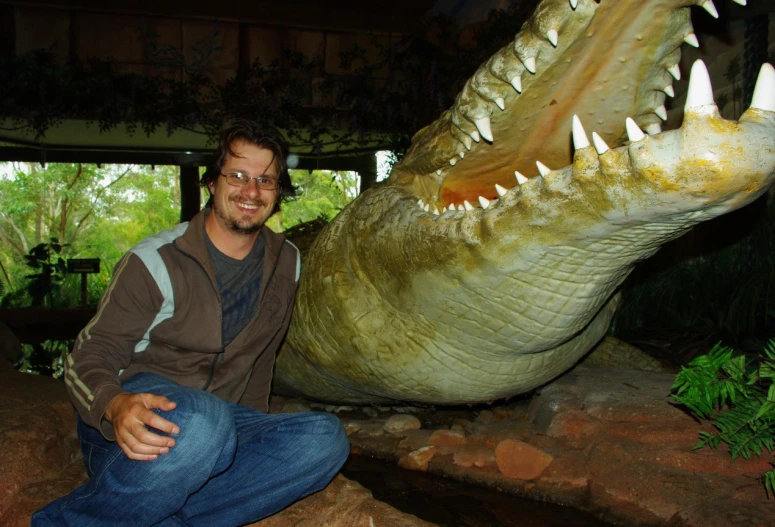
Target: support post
x,y
189,192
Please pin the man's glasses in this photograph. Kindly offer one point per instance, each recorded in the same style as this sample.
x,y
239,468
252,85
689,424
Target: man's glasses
x,y
238,179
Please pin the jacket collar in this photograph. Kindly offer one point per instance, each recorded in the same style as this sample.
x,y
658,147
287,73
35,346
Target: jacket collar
x,y
193,242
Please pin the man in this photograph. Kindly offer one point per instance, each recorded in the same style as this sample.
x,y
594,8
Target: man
x,y
171,377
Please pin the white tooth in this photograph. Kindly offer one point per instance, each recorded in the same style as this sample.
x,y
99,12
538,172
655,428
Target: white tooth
x,y
500,103
438,172
500,190
461,154
661,112
453,161
516,82
669,90
708,6
633,130
483,125
574,3
600,145
420,203
451,206
552,36
543,169
475,136
764,92
675,72
436,211
530,64
520,178
741,2
467,205
580,139
691,39
700,92
426,208
653,129
461,207
484,202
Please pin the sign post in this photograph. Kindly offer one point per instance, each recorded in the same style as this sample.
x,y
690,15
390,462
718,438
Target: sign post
x,y
83,267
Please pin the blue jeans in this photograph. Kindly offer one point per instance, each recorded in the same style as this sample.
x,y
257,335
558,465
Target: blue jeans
x,y
231,465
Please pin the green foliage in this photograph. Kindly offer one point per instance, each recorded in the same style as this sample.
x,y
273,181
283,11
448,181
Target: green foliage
x,y
322,194
46,358
737,394
46,259
99,212
387,87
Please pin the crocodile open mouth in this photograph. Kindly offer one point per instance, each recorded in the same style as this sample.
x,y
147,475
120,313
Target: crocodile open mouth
x,y
489,262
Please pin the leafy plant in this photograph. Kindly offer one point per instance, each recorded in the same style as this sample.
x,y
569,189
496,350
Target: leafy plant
x,y
46,358
737,394
47,259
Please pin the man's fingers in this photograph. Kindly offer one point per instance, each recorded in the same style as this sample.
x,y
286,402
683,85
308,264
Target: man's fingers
x,y
160,402
156,421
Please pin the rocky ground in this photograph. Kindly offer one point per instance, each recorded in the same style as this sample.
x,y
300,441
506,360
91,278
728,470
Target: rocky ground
x,y
607,441
603,440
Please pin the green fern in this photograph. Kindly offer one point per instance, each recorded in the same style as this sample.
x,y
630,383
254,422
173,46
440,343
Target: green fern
x,y
737,394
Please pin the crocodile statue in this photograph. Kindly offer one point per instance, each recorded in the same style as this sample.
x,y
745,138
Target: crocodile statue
x,y
488,264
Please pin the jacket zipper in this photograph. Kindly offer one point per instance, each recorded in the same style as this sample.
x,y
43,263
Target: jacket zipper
x,y
214,362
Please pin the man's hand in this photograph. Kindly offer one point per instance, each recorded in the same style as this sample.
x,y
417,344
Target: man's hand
x,y
129,413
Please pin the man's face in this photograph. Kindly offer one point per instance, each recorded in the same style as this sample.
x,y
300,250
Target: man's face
x,y
243,210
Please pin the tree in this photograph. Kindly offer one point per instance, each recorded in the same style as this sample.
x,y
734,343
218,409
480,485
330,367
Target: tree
x,y
322,193
95,211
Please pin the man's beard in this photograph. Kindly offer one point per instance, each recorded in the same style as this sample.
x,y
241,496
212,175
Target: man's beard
x,y
234,225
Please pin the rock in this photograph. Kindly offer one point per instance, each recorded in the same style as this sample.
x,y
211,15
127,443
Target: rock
x,y
446,438
401,423
40,460
343,503
417,459
519,460
10,346
473,456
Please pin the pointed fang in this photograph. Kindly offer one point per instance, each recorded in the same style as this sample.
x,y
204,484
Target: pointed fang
x,y
520,178
500,103
484,202
553,37
426,207
574,3
700,91
516,82
543,169
453,161
483,125
633,130
500,190
691,39
580,139
675,72
475,136
438,172
661,112
669,91
741,2
600,145
467,205
530,64
764,92
708,6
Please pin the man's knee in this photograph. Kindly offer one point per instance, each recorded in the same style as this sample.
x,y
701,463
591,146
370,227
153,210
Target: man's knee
x,y
206,426
330,439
